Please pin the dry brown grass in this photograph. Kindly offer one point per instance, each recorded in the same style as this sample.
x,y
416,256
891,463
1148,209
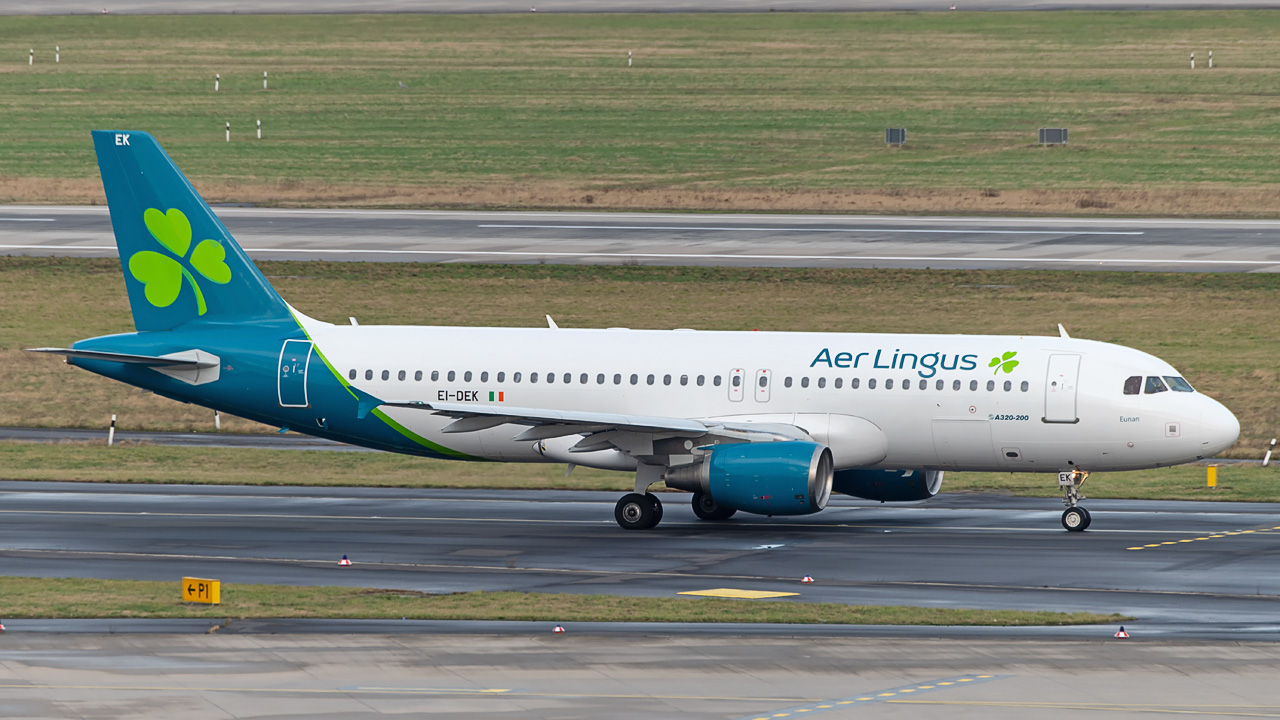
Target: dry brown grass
x,y
1172,202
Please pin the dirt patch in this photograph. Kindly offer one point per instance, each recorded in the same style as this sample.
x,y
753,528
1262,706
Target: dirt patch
x,y
1170,202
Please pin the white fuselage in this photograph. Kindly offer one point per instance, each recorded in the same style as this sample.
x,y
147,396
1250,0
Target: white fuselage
x,y
938,400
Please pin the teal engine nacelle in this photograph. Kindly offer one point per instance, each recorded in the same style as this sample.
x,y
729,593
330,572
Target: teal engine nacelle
x,y
791,477
888,485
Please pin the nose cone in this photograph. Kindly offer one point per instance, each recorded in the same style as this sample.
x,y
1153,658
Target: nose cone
x,y
1220,428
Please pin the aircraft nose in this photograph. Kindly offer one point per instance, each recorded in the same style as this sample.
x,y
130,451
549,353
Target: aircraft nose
x,y
1220,428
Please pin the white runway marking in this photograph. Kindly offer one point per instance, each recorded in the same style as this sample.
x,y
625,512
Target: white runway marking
x,y
783,228
9,219
621,256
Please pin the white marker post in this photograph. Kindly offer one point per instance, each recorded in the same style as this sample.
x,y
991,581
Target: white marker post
x,y
1210,59
1267,460
628,58
1193,61
217,420
228,131
111,433
264,79
217,80
259,129
57,54
31,57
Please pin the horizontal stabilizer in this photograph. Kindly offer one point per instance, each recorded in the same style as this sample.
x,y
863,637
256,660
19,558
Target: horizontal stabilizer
x,y
177,360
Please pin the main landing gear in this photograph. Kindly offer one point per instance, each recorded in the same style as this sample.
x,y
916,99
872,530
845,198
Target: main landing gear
x,y
1074,518
638,512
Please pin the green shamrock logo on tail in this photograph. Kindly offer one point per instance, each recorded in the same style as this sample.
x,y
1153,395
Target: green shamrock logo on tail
x,y
162,275
1004,362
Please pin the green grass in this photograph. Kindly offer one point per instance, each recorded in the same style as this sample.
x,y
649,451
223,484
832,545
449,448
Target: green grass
x,y
133,463
91,598
721,110
1228,355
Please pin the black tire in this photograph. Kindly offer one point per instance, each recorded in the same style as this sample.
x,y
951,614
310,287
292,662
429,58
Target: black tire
x,y
1075,519
1088,519
657,508
707,509
634,512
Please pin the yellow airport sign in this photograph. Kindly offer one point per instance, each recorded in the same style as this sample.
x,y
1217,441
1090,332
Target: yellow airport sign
x,y
201,590
739,594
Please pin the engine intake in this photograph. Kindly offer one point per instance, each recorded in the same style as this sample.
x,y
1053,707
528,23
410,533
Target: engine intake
x,y
791,477
888,485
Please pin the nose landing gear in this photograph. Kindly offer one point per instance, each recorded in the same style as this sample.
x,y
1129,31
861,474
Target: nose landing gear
x,y
1074,518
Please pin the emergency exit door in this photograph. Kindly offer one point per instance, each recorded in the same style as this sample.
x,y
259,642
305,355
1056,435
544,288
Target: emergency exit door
x,y
1060,389
292,384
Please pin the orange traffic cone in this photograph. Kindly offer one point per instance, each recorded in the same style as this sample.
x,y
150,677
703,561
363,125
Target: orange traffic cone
x,y
344,562
1121,633
558,630
806,580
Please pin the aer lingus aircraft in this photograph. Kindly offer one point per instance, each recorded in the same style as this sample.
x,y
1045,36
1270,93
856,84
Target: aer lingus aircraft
x,y
763,422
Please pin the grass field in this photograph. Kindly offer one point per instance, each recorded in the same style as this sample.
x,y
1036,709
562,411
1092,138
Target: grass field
x,y
91,598
1228,354
757,112
133,463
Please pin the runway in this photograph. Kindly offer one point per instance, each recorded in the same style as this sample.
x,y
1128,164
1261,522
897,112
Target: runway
x,y
1185,570
688,239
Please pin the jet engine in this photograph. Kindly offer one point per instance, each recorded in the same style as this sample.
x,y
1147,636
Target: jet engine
x,y
888,485
791,477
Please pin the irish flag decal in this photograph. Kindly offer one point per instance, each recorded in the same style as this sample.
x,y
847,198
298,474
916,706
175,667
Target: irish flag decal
x,y
495,396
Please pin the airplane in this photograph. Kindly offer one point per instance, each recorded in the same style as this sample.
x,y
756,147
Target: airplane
x,y
770,423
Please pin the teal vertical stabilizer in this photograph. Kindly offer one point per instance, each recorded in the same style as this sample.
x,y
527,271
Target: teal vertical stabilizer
x,y
180,263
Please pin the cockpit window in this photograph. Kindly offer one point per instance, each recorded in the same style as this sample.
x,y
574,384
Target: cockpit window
x,y
1177,384
1155,385
1133,385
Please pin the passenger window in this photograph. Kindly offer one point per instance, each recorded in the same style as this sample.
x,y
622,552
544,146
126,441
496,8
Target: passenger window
x,y
666,379
617,378
955,385
973,385
839,383
368,374
1008,385
635,379
533,377
435,375
764,381
888,384
584,379
466,377
417,376
716,381
1177,384
854,383
822,382
551,377
684,379
515,377
452,375
1025,386
649,379
568,378
1133,385
600,378
1155,385
871,383
386,375
502,376
804,382
737,381
401,376
786,382
352,374
484,376
701,378
940,385
991,385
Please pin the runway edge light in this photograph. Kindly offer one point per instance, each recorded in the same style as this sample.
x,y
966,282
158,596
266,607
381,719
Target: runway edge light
x,y
1121,633
344,562
558,630
806,580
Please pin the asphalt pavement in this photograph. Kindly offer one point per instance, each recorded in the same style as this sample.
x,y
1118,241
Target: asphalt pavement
x,y
691,239
1183,569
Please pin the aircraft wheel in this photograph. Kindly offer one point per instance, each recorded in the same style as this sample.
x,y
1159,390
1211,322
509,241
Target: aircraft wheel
x,y
657,508
707,509
1075,519
636,512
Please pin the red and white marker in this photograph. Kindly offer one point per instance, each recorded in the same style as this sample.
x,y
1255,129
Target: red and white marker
x,y
559,630
1121,633
344,562
1,627
807,580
